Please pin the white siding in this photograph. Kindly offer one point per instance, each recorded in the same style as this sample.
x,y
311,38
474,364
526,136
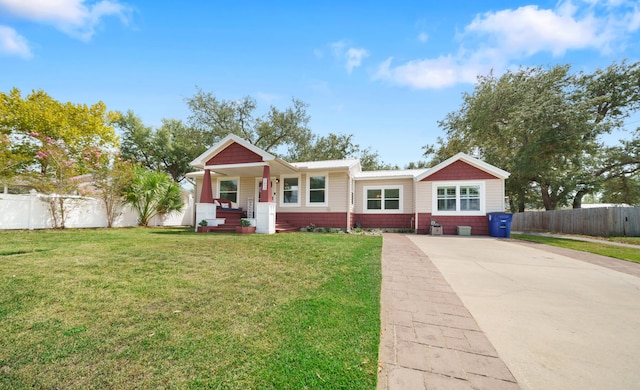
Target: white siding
x,y
247,190
424,193
338,192
495,195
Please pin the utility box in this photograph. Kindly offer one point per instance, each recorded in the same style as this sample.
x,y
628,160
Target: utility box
x,y
436,230
464,230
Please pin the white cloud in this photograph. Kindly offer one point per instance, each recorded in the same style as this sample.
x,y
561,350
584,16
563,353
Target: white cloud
x,y
496,39
423,37
529,30
435,73
74,17
352,56
13,44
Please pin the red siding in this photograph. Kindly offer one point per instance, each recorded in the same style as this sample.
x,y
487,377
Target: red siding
x,y
392,221
327,220
234,154
479,225
459,170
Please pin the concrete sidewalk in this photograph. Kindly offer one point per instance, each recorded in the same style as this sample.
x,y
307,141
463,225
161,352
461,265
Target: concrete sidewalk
x,y
429,339
557,322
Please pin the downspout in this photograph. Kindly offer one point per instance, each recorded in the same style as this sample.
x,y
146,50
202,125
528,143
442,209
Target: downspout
x,y
349,192
415,204
195,194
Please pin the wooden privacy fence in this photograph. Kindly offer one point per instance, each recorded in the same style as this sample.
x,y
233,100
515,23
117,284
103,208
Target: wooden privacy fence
x,y
603,222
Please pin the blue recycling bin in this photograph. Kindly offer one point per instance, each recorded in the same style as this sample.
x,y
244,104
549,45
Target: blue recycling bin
x,y
500,224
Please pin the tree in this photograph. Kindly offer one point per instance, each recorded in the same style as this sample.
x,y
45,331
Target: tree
x,y
137,140
78,126
418,165
542,125
172,147
336,147
168,149
153,193
55,178
219,118
179,145
46,143
110,180
621,171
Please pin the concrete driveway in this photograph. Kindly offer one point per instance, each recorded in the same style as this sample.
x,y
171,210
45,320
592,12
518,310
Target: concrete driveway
x,y
557,322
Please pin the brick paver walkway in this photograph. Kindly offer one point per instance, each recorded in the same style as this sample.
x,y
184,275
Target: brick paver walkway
x,y
429,339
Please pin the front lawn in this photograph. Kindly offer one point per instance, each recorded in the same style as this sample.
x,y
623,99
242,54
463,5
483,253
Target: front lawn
x,y
619,252
168,308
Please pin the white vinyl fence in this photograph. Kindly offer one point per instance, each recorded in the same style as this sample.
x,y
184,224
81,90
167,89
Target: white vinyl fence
x,y
32,212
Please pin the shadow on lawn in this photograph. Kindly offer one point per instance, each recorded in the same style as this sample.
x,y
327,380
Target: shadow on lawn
x,y
173,231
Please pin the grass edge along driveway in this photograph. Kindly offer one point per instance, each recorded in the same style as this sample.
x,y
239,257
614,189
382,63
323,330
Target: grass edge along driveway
x,y
599,248
168,308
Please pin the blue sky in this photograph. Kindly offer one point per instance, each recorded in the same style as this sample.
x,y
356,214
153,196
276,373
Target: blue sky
x,y
383,71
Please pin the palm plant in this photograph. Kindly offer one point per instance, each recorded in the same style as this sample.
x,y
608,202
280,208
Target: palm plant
x,y
153,193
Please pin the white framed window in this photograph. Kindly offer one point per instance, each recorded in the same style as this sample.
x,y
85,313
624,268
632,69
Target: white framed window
x,y
382,199
229,189
458,198
290,191
317,189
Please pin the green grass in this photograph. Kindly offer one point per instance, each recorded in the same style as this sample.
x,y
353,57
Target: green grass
x,y
625,240
168,308
618,252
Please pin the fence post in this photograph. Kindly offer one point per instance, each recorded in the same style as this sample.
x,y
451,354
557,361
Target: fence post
x,y
32,198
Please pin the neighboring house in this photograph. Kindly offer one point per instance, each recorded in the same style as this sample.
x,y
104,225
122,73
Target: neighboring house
x,y
457,192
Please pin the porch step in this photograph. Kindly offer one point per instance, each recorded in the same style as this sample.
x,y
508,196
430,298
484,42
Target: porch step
x,y
222,229
285,227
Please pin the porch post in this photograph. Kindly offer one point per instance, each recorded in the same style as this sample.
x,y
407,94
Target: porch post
x,y
265,208
266,194
205,209
206,194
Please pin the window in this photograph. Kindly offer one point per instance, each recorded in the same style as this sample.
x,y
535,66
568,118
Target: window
x,y
383,199
470,198
461,198
229,190
317,190
447,198
290,191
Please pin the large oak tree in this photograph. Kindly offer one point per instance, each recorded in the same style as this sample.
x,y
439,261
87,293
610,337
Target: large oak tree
x,y
544,125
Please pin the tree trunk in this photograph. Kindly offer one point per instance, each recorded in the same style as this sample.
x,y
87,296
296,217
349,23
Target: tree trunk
x,y
548,202
521,200
577,200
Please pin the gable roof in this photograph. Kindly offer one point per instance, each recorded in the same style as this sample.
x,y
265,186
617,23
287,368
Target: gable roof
x,y
201,160
486,167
